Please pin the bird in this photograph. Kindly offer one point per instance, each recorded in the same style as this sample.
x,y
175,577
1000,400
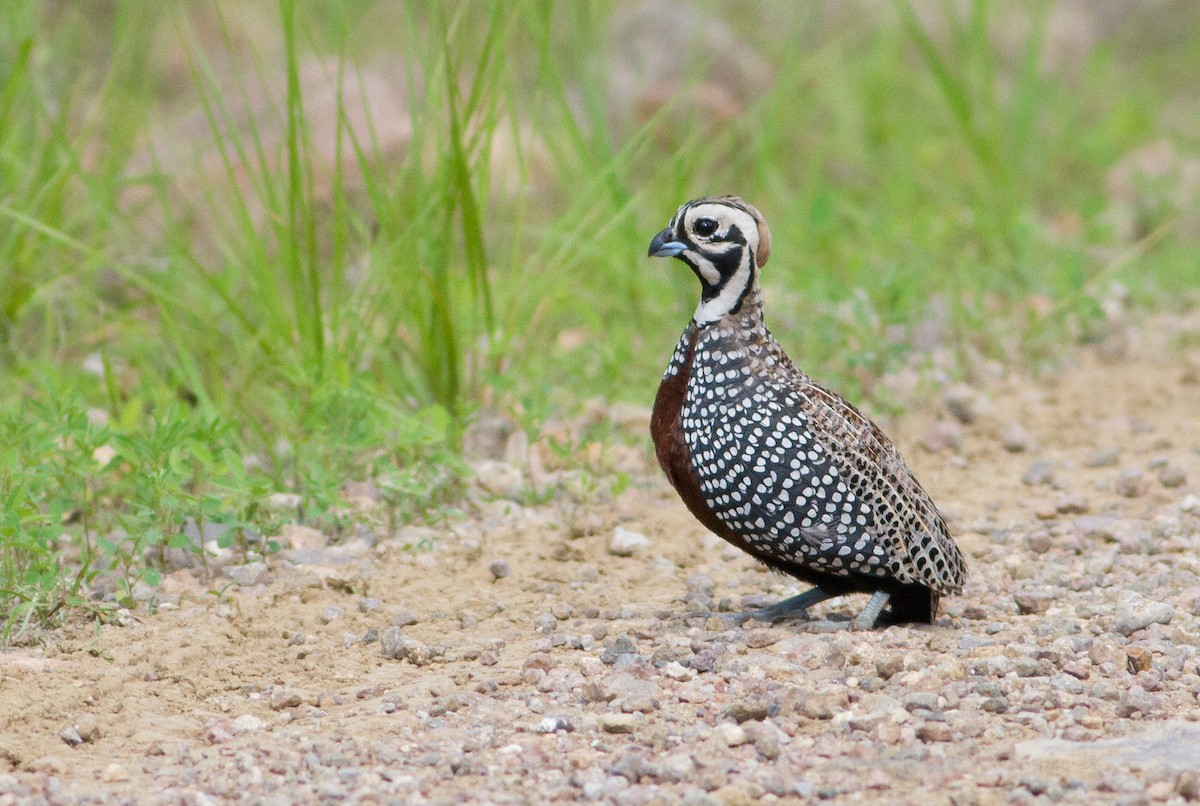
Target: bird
x,y
776,464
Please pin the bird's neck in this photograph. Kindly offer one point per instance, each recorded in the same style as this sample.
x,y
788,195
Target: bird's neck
x,y
738,296
738,301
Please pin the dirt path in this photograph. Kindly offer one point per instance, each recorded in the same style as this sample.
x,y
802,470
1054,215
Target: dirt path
x,y
1067,671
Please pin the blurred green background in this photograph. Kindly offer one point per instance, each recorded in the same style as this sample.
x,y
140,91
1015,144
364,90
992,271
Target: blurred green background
x,y
250,248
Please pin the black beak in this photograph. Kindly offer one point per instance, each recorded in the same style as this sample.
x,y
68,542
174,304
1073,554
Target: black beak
x,y
663,246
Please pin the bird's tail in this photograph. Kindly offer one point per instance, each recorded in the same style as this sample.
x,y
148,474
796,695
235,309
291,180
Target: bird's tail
x,y
912,604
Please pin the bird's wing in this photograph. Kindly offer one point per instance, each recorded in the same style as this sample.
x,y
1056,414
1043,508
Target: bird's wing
x,y
906,521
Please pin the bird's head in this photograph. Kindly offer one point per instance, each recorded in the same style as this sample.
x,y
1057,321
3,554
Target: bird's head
x,y
725,241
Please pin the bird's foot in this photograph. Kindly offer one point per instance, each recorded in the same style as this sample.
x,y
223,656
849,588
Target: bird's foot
x,y
870,614
795,607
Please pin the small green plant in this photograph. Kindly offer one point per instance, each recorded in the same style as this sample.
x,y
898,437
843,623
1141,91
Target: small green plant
x,y
46,489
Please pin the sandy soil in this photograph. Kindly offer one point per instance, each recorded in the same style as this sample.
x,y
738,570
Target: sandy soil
x,y
514,658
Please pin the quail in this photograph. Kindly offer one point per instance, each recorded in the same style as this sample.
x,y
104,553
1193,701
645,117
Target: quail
x,y
776,464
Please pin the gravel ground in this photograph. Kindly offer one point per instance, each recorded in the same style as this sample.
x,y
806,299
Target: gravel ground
x,y
570,651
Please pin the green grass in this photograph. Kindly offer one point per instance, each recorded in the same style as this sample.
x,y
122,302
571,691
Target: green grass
x,y
230,301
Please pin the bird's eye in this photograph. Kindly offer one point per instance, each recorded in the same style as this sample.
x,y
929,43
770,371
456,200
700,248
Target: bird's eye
x,y
704,227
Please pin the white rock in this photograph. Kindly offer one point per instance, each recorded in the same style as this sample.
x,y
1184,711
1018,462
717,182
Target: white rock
x,y
282,502
247,723
1017,440
114,772
295,536
732,735
498,479
249,575
625,543
1136,612
617,723
677,671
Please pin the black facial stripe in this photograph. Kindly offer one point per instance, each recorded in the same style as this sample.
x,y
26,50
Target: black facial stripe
x,y
679,225
727,265
737,306
735,235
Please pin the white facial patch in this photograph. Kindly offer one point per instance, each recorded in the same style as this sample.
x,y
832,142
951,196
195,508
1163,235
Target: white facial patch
x,y
713,309
725,216
705,266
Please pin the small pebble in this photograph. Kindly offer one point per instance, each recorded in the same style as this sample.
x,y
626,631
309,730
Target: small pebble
x,y
1130,483
553,724
1138,659
1136,699
963,403
1107,457
943,435
1136,612
1039,473
1188,785
677,671
700,583
934,732
759,638
295,536
283,697
1072,505
747,711
281,502
625,543
392,642
1172,476
499,568
248,723
51,765
621,645
1017,440
404,618
1040,541
89,728
732,735
114,772
617,723
249,575
1033,602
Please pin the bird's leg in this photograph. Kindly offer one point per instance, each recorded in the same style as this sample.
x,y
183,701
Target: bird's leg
x,y
794,607
870,614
